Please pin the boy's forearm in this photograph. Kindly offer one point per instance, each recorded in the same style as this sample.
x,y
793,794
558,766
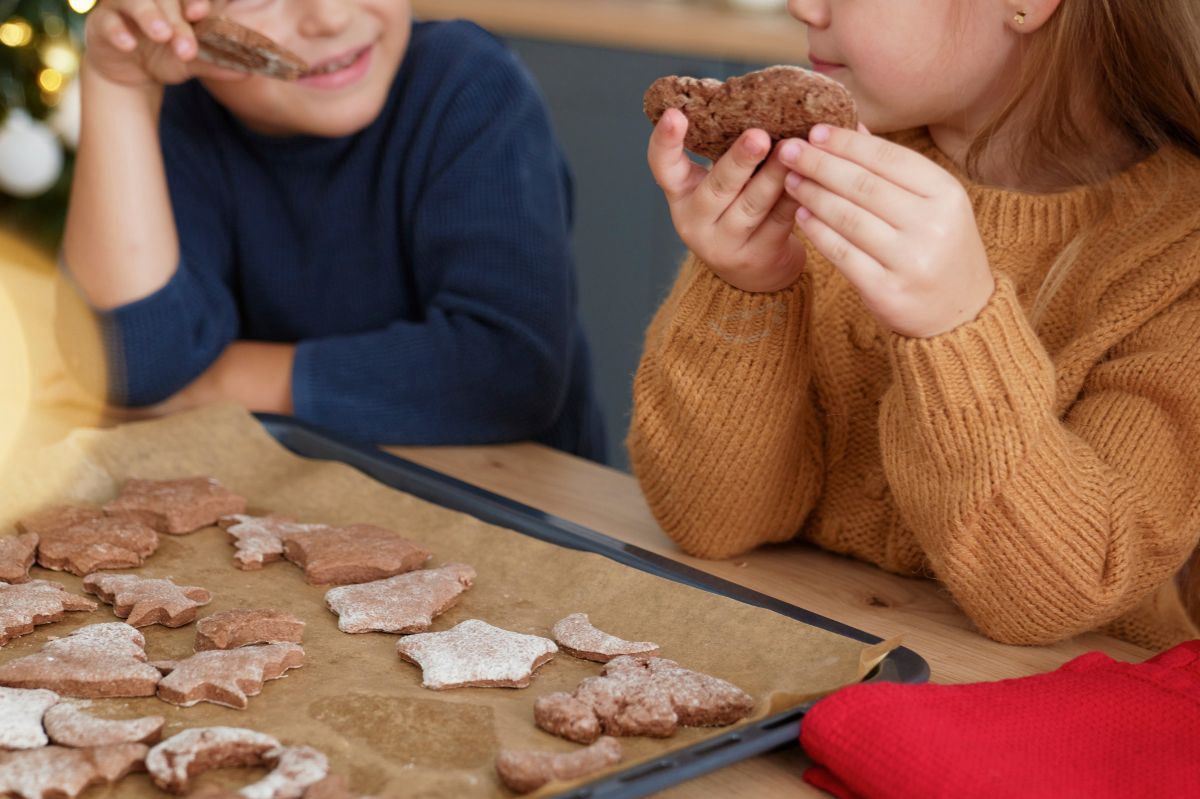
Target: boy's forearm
x,y
120,242
255,374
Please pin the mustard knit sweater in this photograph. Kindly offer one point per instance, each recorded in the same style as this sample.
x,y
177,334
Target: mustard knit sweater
x,y
1048,476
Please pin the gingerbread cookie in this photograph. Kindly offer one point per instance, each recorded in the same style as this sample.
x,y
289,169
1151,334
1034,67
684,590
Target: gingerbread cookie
x,y
94,661
784,101
142,601
293,770
26,605
81,540
226,676
175,506
355,554
17,553
176,760
406,603
526,771
21,712
228,44
56,772
240,627
69,726
577,636
474,653
259,539
641,696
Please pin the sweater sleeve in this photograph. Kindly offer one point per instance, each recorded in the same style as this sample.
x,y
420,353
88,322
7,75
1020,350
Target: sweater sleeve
x,y
490,359
1045,524
157,344
725,437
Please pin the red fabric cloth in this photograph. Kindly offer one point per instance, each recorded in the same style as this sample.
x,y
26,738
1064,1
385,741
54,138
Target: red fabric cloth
x,y
1094,728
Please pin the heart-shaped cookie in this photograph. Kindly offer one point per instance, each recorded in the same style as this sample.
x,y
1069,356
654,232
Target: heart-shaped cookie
x,y
784,101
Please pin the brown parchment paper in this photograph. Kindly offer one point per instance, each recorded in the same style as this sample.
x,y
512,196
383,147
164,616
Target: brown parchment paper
x,y
355,699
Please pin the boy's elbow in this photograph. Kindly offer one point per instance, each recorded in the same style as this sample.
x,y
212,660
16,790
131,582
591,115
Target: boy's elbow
x,y
533,397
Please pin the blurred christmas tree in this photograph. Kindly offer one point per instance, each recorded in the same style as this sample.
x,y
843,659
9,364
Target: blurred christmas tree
x,y
40,42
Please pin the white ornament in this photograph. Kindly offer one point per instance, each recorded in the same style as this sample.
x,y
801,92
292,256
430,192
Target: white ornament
x,y
65,119
31,159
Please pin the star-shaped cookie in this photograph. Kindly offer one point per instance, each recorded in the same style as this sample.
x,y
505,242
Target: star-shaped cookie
x,y
142,601
94,661
474,653
36,602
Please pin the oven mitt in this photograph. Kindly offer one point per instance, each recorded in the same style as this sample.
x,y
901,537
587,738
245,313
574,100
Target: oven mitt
x,y
1094,728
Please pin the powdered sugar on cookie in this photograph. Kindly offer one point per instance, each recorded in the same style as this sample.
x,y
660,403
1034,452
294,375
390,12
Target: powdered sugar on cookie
x,y
66,724
143,601
21,714
36,602
259,539
576,635
16,556
55,772
176,760
293,769
406,603
226,677
94,661
474,653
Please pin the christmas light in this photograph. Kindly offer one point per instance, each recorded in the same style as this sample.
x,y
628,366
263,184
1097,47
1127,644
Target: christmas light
x,y
51,80
16,33
60,56
81,6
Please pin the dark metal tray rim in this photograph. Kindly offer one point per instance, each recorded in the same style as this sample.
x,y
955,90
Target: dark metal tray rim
x,y
901,665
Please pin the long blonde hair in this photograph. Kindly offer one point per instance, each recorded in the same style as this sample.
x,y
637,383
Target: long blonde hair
x,y
1137,62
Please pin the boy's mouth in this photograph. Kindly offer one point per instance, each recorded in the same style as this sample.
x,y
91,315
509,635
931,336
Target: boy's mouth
x,y
336,64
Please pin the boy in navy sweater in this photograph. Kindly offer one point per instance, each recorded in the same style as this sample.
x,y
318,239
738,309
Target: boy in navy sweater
x,y
380,247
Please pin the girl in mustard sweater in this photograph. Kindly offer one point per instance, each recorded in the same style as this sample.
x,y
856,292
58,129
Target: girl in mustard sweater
x,y
969,350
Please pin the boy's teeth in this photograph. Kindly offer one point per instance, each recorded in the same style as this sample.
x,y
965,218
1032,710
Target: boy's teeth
x,y
336,65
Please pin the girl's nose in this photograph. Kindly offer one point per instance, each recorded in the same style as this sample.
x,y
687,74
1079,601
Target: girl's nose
x,y
814,13
323,17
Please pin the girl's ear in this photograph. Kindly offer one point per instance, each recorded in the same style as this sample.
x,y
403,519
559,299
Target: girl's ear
x,y
1026,16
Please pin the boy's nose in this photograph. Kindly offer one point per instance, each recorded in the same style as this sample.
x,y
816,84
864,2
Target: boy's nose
x,y
814,13
324,17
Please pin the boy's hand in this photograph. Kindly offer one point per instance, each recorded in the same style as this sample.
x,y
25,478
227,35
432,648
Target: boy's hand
x,y
898,226
146,43
738,222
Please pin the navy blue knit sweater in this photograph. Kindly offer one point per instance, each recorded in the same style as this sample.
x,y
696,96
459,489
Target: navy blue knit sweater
x,y
423,265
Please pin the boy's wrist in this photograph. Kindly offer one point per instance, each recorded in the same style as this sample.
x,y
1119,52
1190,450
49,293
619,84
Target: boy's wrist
x,y
98,88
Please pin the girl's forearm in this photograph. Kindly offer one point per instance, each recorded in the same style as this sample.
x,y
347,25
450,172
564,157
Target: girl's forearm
x,y
120,242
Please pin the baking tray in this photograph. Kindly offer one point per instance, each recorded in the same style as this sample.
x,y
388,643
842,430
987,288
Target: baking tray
x,y
900,665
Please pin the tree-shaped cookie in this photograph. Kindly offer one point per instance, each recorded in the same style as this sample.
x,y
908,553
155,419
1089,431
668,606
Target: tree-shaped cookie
x,y
258,540
175,506
142,601
17,553
226,676
36,602
94,661
406,603
355,554
56,772
641,696
474,653
81,540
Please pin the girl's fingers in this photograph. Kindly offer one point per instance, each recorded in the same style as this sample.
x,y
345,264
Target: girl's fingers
x,y
855,224
675,173
731,172
858,184
111,28
754,204
894,163
859,268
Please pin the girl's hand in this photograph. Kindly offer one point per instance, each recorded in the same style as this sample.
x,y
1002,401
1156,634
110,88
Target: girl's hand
x,y
738,222
898,226
147,43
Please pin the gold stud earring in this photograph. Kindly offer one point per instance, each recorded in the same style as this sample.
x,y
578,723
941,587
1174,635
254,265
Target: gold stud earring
x,y
1019,18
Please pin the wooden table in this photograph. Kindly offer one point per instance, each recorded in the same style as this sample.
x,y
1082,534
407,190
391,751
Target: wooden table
x,y
686,27
851,592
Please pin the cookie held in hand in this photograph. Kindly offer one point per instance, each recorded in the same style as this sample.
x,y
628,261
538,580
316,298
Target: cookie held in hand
x,y
784,101
229,44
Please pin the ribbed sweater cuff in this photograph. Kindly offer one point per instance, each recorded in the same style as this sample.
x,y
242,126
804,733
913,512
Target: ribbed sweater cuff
x,y
757,325
989,379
